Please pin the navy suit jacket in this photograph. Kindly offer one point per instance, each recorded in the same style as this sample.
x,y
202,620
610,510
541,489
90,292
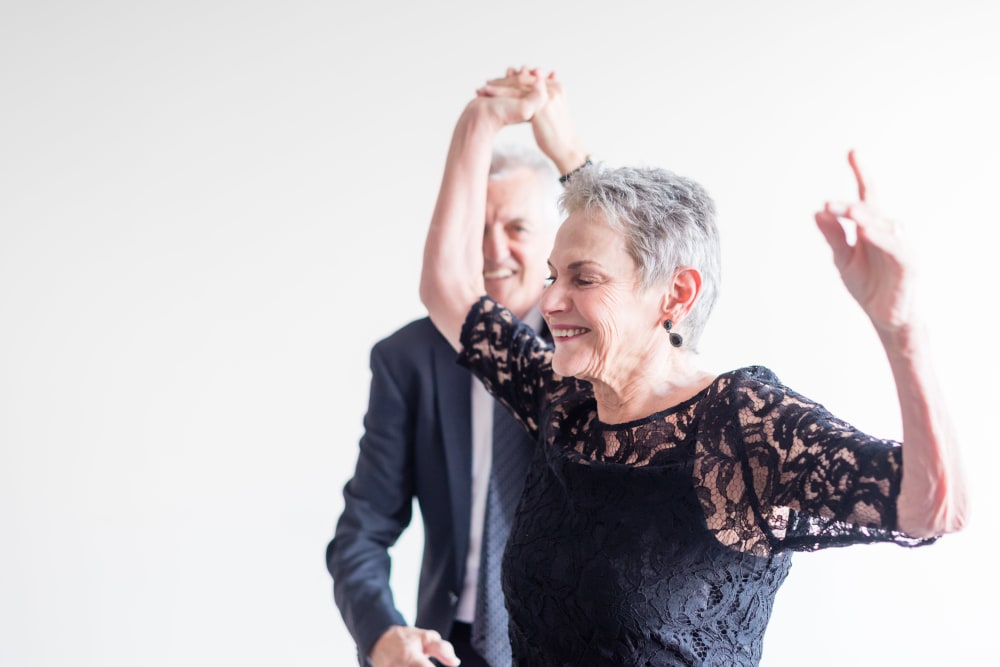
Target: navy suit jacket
x,y
417,444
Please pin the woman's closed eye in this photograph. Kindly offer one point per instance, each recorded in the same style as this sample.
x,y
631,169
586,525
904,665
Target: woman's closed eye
x,y
577,280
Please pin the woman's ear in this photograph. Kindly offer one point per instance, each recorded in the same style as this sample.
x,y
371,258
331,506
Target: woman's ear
x,y
682,292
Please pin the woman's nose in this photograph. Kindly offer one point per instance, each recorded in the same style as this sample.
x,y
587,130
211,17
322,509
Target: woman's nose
x,y
553,300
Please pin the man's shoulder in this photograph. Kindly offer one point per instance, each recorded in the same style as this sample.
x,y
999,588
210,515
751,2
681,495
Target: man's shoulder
x,y
413,338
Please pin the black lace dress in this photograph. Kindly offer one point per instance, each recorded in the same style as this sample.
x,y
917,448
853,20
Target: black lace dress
x,y
663,541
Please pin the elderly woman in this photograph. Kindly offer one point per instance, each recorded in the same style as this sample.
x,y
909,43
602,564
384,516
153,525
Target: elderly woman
x,y
664,501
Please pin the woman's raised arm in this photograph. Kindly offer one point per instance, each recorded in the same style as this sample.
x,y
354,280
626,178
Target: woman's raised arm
x,y
877,272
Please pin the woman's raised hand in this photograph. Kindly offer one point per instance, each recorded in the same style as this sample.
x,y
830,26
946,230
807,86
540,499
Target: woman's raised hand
x,y
873,260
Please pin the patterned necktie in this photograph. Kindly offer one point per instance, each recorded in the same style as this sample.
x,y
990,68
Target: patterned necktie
x,y
512,449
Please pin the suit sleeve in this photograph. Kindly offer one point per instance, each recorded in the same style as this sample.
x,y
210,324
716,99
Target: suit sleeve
x,y
377,508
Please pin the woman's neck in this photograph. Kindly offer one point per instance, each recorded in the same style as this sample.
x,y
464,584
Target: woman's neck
x,y
649,389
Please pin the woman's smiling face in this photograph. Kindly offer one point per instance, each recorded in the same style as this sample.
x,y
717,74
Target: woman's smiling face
x,y
604,326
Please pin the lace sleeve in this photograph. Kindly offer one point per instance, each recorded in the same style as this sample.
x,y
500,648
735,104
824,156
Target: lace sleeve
x,y
817,480
512,361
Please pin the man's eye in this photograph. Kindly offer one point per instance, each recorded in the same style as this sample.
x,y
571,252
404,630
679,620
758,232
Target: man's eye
x,y
550,280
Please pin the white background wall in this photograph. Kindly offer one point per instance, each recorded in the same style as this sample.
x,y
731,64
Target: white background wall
x,y
209,211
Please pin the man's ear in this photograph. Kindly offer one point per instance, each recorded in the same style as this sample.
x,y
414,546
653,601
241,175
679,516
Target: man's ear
x,y
681,294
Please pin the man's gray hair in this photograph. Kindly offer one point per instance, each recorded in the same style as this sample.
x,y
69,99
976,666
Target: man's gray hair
x,y
511,157
668,222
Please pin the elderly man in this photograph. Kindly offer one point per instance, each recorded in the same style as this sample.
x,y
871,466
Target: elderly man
x,y
430,434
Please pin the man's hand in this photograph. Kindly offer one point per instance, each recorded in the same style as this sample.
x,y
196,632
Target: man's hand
x,y
402,646
513,99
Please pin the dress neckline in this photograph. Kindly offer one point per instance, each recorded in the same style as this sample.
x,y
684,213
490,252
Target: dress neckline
x,y
605,427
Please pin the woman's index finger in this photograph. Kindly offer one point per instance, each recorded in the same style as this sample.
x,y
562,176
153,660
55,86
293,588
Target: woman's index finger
x,y
863,189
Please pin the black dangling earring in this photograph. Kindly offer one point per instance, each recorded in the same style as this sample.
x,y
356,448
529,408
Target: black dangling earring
x,y
675,338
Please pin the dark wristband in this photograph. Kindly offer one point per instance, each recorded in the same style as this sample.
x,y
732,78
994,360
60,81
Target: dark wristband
x,y
565,177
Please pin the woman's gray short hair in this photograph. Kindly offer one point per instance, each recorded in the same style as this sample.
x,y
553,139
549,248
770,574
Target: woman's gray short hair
x,y
668,222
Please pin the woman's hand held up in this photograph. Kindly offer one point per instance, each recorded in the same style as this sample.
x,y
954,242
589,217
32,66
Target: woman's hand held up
x,y
871,255
554,130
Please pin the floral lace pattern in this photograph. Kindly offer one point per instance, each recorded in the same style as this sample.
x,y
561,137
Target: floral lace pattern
x,y
663,541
